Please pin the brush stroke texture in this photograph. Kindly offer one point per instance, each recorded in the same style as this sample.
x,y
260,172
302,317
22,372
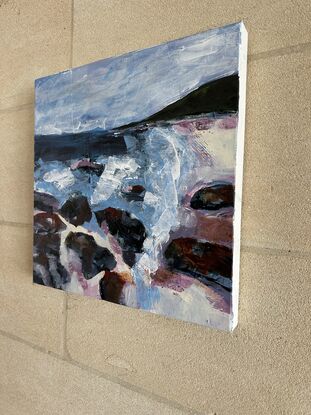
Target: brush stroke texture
x,y
118,91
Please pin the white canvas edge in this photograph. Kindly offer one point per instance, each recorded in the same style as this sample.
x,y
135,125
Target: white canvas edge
x,y
239,178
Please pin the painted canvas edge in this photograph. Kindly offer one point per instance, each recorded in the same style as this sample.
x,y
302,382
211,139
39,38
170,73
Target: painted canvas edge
x,y
239,176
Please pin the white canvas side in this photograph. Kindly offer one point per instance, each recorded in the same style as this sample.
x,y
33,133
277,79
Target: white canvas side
x,y
239,177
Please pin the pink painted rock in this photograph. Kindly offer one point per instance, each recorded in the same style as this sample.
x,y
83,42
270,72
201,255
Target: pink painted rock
x,y
89,166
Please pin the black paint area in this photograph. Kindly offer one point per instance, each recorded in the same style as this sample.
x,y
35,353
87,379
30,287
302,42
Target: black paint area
x,y
90,144
94,258
213,197
76,209
45,202
129,232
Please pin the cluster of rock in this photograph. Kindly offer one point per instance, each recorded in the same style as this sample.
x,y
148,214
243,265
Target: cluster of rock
x,y
50,221
206,262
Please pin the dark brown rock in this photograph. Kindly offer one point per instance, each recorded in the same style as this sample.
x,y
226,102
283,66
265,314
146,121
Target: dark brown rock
x,y
94,258
111,286
47,223
45,202
213,197
201,260
76,210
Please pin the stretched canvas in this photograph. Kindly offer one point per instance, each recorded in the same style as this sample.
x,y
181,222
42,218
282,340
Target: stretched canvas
x,y
138,178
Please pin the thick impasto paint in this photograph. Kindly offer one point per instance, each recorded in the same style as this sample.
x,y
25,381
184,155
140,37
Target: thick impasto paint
x,y
138,162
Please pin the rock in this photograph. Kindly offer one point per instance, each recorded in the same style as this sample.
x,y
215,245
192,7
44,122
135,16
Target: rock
x,y
45,202
47,268
129,232
88,166
94,258
111,286
202,260
213,197
174,281
47,243
134,193
177,282
76,210
47,223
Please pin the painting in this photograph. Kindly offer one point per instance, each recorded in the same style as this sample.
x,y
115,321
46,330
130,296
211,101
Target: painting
x,y
138,178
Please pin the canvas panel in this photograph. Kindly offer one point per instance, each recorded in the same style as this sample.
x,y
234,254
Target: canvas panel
x,y
138,178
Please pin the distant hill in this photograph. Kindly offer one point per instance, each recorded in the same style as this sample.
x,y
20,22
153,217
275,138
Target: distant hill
x,y
220,96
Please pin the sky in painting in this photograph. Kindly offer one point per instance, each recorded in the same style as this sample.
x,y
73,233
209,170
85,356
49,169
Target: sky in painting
x,y
117,91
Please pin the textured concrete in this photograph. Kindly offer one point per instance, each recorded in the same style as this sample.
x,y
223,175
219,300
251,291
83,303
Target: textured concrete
x,y
33,383
28,311
35,41
16,168
110,27
64,354
277,170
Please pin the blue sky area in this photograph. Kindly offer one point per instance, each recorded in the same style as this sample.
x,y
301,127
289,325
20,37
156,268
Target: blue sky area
x,y
116,91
